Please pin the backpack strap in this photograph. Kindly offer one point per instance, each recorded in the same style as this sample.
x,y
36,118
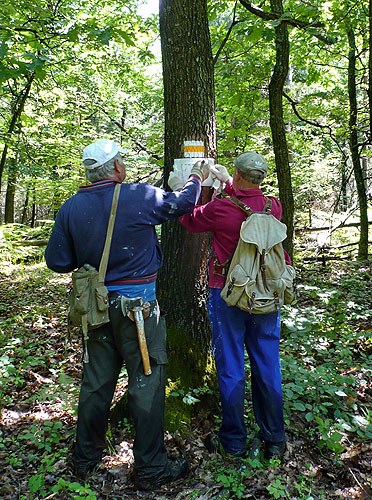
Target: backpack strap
x,y
220,269
238,203
225,266
246,208
110,228
268,205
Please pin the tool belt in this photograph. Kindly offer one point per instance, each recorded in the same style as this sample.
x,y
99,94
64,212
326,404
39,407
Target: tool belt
x,y
128,305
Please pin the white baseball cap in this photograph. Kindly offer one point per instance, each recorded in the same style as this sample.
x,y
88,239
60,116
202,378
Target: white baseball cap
x,y
101,151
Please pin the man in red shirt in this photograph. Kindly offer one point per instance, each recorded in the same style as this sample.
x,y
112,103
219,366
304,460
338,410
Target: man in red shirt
x,y
232,328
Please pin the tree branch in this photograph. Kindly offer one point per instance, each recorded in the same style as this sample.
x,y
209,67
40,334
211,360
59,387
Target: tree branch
x,y
327,228
224,41
155,171
136,142
313,124
296,23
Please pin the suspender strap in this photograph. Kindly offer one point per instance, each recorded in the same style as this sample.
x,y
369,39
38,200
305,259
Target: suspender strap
x,y
110,228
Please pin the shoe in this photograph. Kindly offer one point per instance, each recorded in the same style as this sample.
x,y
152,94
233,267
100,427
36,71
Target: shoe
x,y
274,450
82,472
213,444
175,469
254,451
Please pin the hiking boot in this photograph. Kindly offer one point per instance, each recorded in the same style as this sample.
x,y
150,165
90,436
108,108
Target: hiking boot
x,y
254,451
175,469
274,450
213,444
82,472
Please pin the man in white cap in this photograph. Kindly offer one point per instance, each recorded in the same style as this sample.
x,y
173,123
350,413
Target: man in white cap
x,y
78,238
233,328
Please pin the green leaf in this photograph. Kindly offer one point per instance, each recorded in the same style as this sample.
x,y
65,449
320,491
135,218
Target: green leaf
x,y
3,50
73,35
105,36
255,34
126,37
299,406
341,393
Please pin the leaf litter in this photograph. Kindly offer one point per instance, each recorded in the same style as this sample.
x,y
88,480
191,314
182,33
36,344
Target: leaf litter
x,y
40,372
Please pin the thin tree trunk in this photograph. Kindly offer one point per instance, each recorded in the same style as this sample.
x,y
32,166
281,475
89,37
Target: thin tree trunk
x,y
355,156
17,110
277,125
10,192
370,69
25,207
344,181
33,211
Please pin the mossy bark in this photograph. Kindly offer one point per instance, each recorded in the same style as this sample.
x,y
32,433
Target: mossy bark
x,y
189,109
182,289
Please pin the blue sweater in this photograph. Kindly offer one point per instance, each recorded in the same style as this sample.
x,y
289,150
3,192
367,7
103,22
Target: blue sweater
x,y
79,232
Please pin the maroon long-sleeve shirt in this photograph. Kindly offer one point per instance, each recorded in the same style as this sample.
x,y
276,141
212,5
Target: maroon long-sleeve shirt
x,y
223,219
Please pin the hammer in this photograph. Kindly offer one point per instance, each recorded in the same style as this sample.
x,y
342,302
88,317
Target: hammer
x,y
136,314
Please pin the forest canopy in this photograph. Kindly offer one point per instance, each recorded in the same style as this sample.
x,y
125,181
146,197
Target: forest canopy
x,y
73,72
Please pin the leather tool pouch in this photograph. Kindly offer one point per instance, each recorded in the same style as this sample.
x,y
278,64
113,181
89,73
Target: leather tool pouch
x,y
127,305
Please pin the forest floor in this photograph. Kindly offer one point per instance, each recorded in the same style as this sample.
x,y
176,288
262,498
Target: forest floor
x,y
327,382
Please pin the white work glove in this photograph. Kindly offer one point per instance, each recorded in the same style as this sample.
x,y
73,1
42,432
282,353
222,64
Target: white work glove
x,y
220,172
175,181
201,170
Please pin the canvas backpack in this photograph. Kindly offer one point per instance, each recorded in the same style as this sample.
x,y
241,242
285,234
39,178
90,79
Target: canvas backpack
x,y
88,300
258,279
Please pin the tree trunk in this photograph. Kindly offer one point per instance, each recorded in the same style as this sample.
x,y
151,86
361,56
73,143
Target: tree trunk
x,y
344,181
17,110
189,115
25,207
355,156
10,192
277,125
33,210
370,68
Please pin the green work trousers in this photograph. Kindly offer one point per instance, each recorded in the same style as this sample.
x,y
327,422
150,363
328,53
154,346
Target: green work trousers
x,y
109,346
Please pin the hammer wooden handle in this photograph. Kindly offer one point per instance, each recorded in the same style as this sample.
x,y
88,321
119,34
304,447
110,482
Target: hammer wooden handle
x,y
140,324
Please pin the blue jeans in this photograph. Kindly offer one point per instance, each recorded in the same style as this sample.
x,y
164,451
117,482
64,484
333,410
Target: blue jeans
x,y
232,329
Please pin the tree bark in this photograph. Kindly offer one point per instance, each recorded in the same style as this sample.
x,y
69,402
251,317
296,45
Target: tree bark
x,y
30,243
277,125
10,192
370,68
344,181
189,115
25,207
17,110
354,148
33,209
